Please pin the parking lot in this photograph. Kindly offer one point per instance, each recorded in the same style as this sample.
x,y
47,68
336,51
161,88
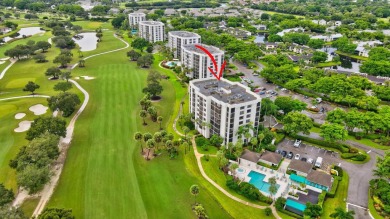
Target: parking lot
x,y
309,151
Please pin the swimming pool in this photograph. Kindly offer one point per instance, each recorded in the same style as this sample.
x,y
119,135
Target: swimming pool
x,y
296,205
257,179
171,64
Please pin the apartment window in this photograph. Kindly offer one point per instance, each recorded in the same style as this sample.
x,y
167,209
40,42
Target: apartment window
x,y
248,111
241,122
248,115
243,107
241,117
248,121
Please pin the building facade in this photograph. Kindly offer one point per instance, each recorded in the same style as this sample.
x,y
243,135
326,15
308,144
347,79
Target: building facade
x,y
220,107
135,18
197,61
177,39
152,31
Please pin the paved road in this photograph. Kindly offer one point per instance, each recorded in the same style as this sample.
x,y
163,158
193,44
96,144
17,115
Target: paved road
x,y
359,174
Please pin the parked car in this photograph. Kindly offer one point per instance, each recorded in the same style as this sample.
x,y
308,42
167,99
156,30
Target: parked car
x,y
284,153
290,155
255,74
318,162
262,92
310,160
297,143
297,156
278,151
303,159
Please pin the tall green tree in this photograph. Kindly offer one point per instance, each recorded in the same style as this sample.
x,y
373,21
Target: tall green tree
x,y
295,122
31,87
194,190
138,137
62,86
333,132
340,213
52,213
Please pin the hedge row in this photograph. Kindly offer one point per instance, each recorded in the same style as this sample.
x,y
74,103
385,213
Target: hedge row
x,y
343,148
354,157
321,198
333,191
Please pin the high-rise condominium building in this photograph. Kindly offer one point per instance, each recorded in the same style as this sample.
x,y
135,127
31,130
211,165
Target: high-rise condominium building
x,y
152,31
135,18
177,39
220,107
197,61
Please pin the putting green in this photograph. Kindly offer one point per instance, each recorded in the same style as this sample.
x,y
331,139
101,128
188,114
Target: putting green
x,y
19,82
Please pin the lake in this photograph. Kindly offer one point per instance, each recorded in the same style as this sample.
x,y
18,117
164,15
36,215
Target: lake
x,y
26,31
87,42
259,38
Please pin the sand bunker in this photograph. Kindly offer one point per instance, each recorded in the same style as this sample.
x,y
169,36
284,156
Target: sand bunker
x,y
20,115
77,78
38,109
88,78
23,126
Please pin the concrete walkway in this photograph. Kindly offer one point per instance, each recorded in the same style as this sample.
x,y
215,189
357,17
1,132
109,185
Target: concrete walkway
x,y
28,96
13,61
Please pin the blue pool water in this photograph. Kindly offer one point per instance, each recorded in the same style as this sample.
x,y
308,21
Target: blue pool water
x,y
171,64
257,179
296,205
301,179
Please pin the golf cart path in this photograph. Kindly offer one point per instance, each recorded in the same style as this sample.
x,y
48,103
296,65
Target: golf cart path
x,y
27,96
13,61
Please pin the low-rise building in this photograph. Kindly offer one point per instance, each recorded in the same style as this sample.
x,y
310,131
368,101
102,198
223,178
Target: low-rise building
x,y
320,178
249,159
300,167
270,158
220,107
363,48
177,39
152,31
198,62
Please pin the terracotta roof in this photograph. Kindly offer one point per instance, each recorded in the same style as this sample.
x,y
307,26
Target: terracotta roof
x,y
320,178
251,156
271,157
300,166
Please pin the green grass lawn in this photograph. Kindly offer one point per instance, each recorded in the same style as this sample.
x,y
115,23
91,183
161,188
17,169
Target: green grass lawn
x,y
211,150
29,206
371,207
11,141
352,56
104,175
339,200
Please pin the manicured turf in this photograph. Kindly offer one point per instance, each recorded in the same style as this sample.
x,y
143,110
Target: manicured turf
x,y
29,206
339,200
104,176
11,141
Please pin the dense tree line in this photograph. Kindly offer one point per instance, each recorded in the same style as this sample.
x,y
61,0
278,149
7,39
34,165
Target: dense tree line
x,y
378,62
27,50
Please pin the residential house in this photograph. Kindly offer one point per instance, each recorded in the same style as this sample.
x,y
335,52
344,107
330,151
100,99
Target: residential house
x,y
270,158
249,159
300,167
363,48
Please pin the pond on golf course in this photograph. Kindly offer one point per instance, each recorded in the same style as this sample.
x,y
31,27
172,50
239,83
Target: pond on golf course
x,y
86,41
25,31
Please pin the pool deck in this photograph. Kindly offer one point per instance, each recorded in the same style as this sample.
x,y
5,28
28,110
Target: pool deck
x,y
278,174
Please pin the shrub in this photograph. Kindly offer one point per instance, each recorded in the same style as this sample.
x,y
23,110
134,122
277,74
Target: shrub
x,y
280,202
205,147
248,190
353,150
340,147
206,157
347,155
271,147
268,211
201,141
321,198
359,157
339,169
333,191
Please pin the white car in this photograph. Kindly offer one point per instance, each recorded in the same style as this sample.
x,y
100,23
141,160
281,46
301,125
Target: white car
x,y
297,143
310,160
297,156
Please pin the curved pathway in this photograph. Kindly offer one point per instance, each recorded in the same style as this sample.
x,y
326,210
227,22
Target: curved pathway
x,y
27,96
13,61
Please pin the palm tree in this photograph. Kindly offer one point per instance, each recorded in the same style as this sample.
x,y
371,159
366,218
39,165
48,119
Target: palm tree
x,y
138,137
340,213
146,136
186,130
261,137
253,142
169,145
143,115
194,190
160,119
150,144
272,189
153,113
233,167
230,147
81,63
157,137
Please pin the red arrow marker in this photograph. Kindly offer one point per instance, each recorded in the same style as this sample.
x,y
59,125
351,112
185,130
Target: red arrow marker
x,y
216,74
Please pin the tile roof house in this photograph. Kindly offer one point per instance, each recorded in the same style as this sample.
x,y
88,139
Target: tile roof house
x,y
271,158
302,168
249,158
320,178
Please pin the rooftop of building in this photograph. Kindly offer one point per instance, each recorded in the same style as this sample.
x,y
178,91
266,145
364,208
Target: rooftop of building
x,y
320,178
184,34
251,156
300,166
151,23
225,91
137,14
271,157
211,49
